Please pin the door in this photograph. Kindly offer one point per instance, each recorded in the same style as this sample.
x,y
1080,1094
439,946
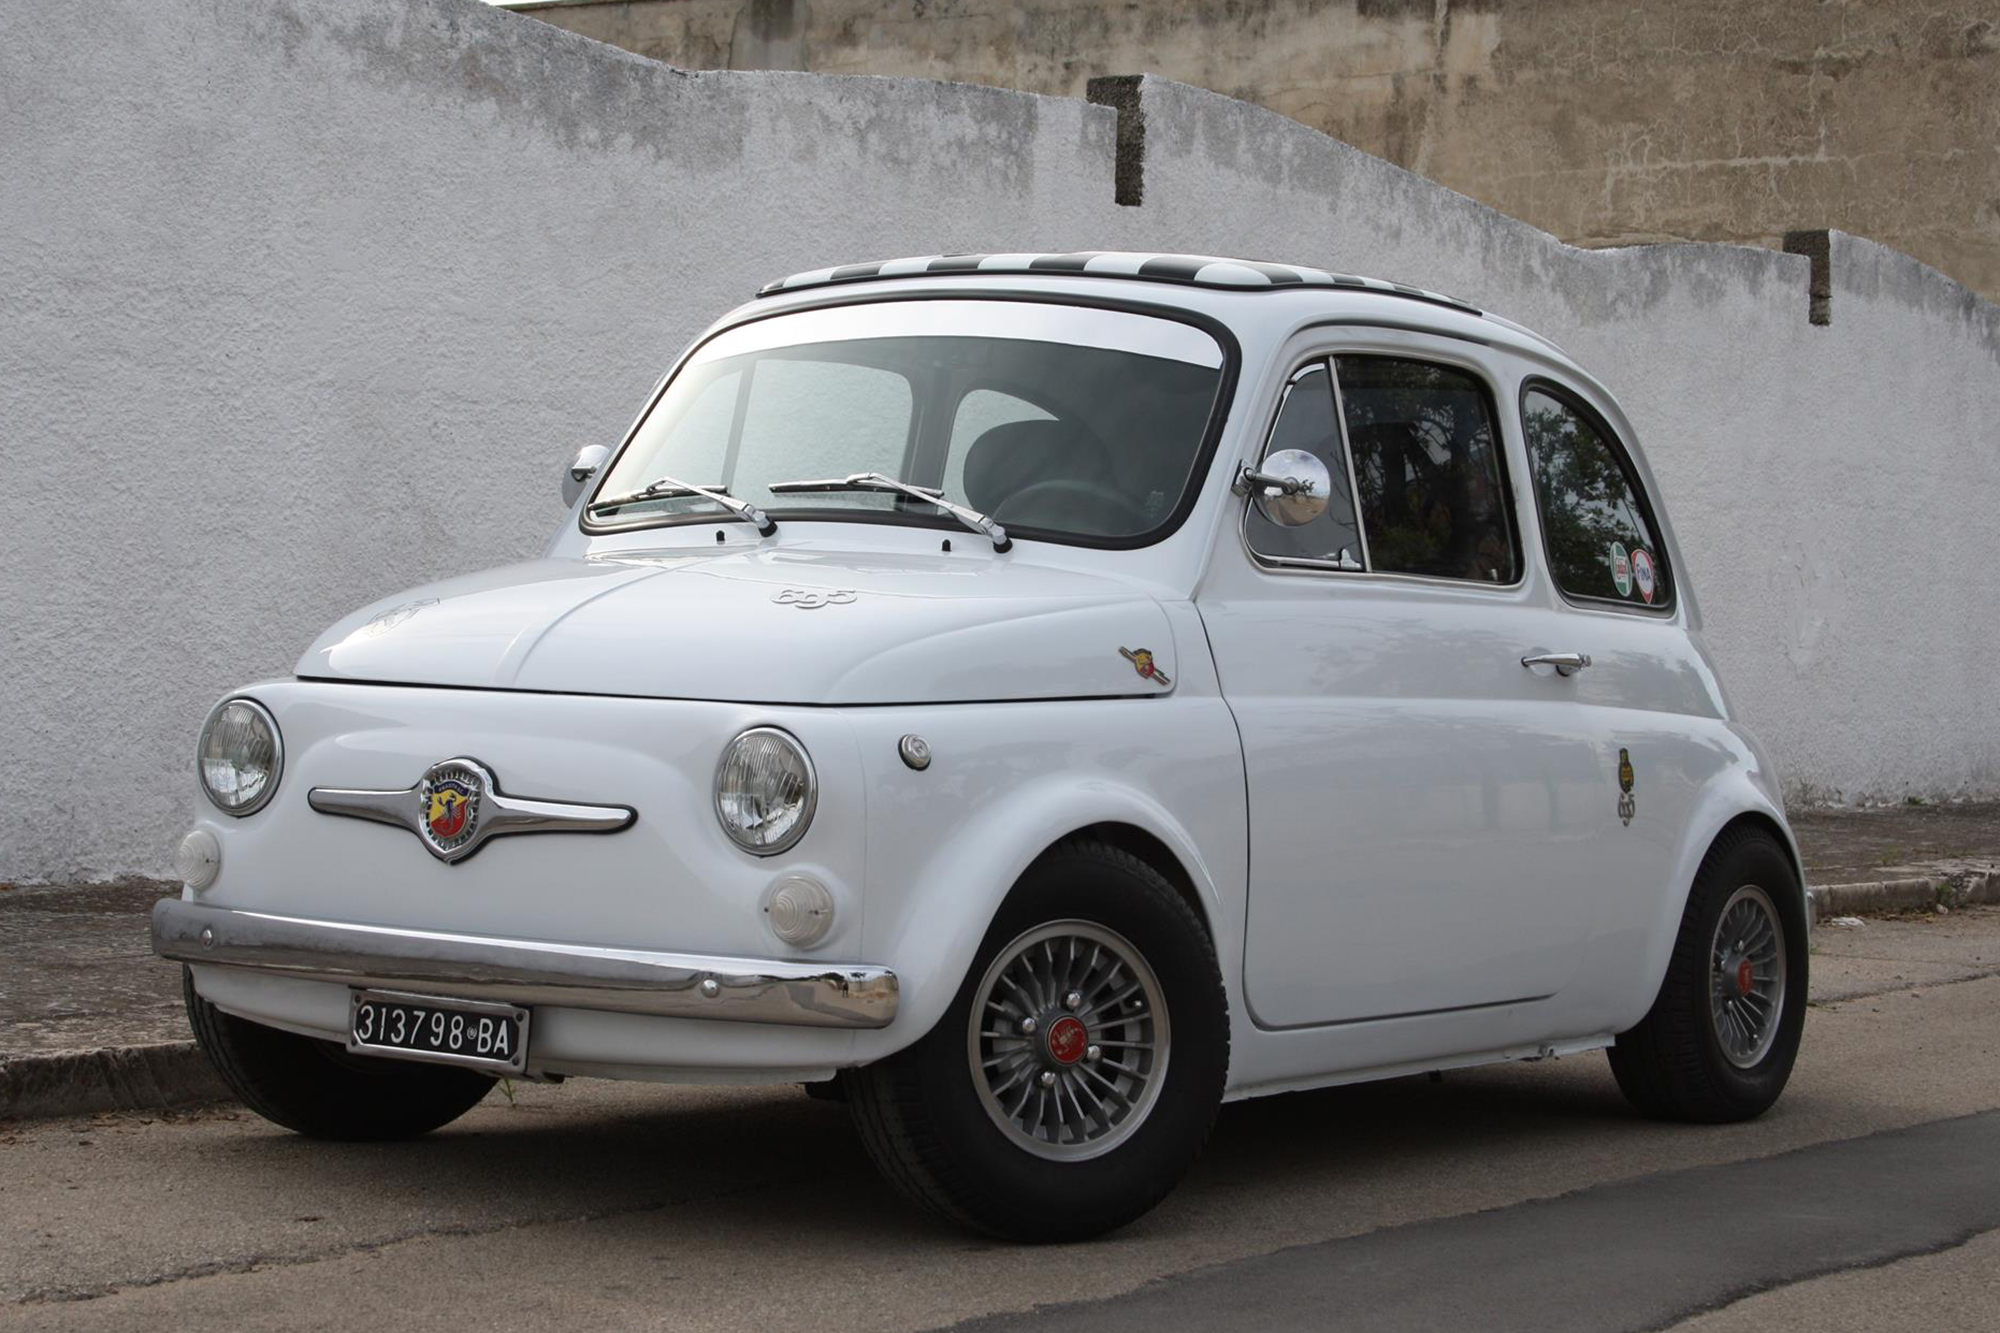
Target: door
x,y
1653,698
1422,808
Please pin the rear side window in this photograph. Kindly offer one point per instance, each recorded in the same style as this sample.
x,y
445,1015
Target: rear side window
x,y
1427,470
1601,540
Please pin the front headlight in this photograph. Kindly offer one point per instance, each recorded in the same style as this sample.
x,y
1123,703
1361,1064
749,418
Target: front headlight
x,y
240,756
765,791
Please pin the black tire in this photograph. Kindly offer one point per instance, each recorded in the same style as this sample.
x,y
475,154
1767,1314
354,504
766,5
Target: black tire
x,y
921,1117
1673,1065
316,1088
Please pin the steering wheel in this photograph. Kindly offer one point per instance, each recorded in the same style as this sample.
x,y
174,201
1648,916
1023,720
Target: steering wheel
x,y
1089,500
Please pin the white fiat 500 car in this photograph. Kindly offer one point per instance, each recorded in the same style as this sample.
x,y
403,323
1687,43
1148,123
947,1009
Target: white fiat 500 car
x,y
1046,696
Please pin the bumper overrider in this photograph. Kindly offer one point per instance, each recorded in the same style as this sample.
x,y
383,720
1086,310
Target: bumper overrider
x,y
528,972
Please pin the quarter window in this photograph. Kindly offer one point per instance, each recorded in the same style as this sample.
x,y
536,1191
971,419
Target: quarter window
x,y
1428,470
1601,543
1306,421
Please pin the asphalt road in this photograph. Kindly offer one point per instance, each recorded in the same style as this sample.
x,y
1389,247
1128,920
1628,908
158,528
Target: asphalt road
x,y
1519,1197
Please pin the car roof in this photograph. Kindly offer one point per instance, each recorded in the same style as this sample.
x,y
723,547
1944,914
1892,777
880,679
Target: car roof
x,y
1133,266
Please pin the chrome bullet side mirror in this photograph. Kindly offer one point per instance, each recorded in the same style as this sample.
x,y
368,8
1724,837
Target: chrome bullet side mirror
x,y
1290,489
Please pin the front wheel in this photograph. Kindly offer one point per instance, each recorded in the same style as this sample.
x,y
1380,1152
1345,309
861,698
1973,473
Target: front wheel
x,y
1720,1041
1077,1073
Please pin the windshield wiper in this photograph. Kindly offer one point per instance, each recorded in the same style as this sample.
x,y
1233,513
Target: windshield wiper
x,y
876,481
669,488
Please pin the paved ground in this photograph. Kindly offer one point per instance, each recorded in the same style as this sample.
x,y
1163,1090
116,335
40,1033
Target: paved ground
x,y
1516,1197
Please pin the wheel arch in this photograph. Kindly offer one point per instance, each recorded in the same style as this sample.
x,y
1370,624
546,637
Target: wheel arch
x,y
935,938
1738,805
1136,841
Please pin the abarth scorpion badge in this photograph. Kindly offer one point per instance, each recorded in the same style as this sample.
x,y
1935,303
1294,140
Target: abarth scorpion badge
x,y
450,794
1628,804
1142,662
456,806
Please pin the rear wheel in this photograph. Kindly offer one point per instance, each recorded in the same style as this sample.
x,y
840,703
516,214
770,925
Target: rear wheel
x,y
1076,1075
1721,1038
318,1089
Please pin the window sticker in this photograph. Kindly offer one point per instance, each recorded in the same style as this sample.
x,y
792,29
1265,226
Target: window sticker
x,y
1642,574
1621,569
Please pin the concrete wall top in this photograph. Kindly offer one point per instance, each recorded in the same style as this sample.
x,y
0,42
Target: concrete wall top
x,y
1630,123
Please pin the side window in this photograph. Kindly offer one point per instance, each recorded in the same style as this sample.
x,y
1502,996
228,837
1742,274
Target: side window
x,y
1427,465
1600,543
1306,421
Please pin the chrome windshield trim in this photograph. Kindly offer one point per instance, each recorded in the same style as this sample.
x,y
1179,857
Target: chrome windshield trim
x,y
800,993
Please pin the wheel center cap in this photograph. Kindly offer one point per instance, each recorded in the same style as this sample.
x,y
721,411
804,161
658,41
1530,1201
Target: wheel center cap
x,y
1746,977
1067,1039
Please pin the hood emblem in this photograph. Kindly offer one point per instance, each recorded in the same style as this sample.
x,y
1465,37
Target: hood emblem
x,y
457,806
395,616
812,599
1142,662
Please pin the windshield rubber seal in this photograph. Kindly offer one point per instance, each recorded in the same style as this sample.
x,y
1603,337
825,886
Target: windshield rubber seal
x,y
1218,419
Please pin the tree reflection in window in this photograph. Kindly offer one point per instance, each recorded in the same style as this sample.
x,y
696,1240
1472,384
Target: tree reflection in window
x,y
1598,539
1427,469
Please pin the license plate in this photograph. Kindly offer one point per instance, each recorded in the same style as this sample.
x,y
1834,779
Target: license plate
x,y
444,1031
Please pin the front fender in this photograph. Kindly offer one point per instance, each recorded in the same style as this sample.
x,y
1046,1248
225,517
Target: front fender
x,y
1005,782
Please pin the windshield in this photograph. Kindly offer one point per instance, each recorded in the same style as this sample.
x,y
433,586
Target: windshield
x,y
1065,423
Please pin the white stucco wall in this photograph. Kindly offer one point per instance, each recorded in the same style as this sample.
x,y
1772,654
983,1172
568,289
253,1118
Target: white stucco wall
x,y
304,301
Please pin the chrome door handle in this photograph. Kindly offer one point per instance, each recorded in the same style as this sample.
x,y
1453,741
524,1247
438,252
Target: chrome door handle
x,y
1566,664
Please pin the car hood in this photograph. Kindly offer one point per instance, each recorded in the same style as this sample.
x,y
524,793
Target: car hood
x,y
769,626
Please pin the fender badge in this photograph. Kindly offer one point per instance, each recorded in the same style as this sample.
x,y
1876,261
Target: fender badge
x,y
812,599
1142,662
1628,804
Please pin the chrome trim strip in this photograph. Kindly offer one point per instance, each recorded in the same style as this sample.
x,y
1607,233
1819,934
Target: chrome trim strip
x,y
529,972
493,814
1347,454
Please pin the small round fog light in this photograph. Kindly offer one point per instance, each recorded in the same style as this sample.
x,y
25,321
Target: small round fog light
x,y
800,911
198,860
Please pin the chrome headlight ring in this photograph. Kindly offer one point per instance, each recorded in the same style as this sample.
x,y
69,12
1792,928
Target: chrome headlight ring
x,y
238,734
765,790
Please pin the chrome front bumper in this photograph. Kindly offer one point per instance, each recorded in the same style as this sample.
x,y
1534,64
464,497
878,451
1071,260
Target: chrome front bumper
x,y
476,967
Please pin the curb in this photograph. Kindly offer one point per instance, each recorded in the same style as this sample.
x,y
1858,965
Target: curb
x,y
111,1078
1890,895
